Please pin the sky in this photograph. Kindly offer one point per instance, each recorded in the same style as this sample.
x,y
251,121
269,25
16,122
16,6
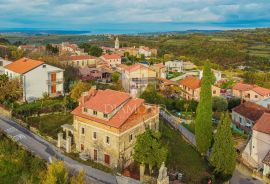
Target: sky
x,y
133,15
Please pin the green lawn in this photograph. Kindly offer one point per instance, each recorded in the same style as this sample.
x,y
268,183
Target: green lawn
x,y
18,166
50,124
182,156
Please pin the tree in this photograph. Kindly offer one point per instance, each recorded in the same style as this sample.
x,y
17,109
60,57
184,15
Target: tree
x,y
56,174
152,96
219,104
11,90
78,89
51,49
95,51
79,178
223,156
148,149
203,121
233,102
115,77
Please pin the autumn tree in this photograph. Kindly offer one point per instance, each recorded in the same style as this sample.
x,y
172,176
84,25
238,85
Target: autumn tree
x,y
203,121
11,90
78,89
56,174
148,149
79,178
223,156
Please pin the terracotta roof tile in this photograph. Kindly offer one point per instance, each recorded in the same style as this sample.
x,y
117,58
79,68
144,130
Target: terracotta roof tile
x,y
135,67
107,100
111,56
81,57
23,65
191,82
250,110
242,87
261,91
263,124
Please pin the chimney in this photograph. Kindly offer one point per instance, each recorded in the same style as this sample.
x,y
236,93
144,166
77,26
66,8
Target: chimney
x,y
24,59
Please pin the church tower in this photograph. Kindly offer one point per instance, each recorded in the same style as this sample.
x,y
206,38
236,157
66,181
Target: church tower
x,y
116,44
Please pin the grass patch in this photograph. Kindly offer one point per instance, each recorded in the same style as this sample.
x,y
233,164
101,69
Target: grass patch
x,y
17,165
50,124
182,156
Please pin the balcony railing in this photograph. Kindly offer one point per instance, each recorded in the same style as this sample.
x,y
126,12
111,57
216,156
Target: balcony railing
x,y
57,81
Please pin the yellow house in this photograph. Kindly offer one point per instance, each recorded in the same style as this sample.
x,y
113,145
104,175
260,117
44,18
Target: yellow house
x,y
191,87
106,124
135,78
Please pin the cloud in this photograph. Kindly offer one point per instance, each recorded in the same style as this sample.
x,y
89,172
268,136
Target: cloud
x,y
82,14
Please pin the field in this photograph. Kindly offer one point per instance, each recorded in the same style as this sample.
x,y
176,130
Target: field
x,y
50,124
182,156
18,166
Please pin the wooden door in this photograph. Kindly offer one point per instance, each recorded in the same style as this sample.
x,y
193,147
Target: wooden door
x,y
53,89
95,155
107,159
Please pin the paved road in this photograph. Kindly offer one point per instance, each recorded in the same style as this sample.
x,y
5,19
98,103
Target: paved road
x,y
45,150
240,177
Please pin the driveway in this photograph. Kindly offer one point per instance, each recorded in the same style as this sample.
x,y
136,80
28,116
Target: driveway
x,y
240,177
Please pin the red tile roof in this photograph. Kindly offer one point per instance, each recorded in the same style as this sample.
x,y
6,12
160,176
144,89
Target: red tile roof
x,y
23,65
261,91
107,100
266,159
242,87
100,98
135,67
82,57
191,82
263,124
159,65
111,56
250,110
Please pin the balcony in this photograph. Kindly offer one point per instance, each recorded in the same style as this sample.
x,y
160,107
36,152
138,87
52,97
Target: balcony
x,y
57,81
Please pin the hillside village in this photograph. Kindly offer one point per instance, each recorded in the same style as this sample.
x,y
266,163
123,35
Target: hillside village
x,y
103,110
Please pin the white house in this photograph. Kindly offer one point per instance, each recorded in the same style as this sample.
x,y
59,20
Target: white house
x,y
257,150
111,59
3,63
174,66
37,78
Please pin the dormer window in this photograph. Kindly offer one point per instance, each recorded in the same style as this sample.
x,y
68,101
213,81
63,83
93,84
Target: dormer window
x,y
95,112
105,115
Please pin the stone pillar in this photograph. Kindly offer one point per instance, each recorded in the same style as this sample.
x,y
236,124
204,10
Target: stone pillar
x,y
68,144
142,169
60,140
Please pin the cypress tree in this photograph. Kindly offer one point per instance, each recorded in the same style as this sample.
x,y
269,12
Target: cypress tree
x,y
223,156
203,121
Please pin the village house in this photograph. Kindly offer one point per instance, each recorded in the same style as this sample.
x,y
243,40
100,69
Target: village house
x,y
246,114
3,63
96,74
106,124
80,61
146,51
257,151
37,78
112,59
174,66
191,87
250,92
135,78
188,65
67,48
160,70
32,48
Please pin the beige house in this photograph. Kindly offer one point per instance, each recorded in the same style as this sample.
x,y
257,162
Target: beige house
x,y
257,150
81,61
106,124
191,87
135,78
160,70
249,92
111,59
